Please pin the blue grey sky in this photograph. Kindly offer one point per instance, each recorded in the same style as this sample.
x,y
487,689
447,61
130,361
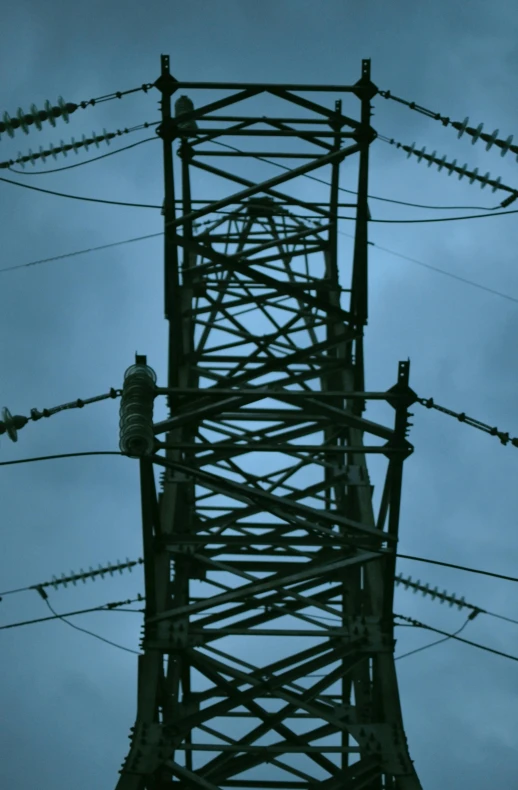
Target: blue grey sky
x,y
68,329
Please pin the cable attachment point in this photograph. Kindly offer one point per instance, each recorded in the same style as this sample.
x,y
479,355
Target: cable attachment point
x,y
462,417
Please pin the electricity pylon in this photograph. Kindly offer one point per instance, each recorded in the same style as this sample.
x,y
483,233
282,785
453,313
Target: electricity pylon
x,y
267,653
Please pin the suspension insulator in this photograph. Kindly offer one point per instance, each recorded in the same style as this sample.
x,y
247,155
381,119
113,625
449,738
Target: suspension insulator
x,y
136,411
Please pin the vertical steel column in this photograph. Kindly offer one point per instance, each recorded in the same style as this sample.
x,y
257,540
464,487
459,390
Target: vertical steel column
x,y
365,90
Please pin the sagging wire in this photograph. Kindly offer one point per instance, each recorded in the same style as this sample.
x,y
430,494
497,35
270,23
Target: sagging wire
x,y
437,641
79,197
107,607
351,191
84,162
59,455
82,252
419,624
74,146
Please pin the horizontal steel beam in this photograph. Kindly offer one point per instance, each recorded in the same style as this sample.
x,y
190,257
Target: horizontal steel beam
x,y
256,447
267,86
240,748
230,132
262,586
258,392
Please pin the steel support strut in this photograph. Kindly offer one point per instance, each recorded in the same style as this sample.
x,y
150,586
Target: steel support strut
x,y
267,652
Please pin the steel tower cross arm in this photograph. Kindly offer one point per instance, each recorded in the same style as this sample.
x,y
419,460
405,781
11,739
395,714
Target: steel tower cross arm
x,y
269,578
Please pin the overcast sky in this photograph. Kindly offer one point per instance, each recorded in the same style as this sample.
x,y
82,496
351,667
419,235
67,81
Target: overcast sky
x,y
68,329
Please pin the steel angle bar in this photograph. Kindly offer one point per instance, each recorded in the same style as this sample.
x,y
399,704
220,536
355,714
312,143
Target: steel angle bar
x,y
282,287
281,196
245,494
264,586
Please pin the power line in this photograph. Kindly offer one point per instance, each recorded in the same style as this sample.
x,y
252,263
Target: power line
x,y
382,552
91,633
432,644
418,624
155,235
433,219
81,252
108,607
443,271
454,566
439,219
60,455
100,571
73,578
78,197
145,205
80,164
372,197
113,607
73,145
353,192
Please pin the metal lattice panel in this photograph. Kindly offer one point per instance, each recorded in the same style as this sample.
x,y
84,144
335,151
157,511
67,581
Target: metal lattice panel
x,y
268,641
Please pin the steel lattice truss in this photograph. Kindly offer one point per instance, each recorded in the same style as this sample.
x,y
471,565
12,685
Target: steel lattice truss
x,y
268,640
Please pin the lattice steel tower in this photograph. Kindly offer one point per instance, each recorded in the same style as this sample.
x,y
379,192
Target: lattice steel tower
x,y
268,640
